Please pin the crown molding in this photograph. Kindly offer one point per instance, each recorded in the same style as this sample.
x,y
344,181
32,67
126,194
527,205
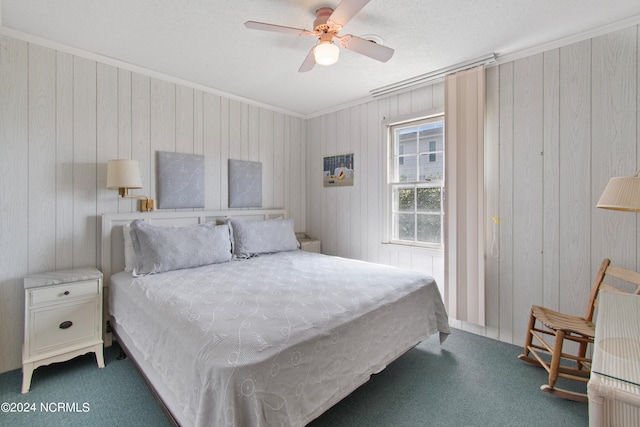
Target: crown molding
x,y
393,89
565,41
61,47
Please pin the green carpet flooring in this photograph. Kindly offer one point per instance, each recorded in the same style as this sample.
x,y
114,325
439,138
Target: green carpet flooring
x,y
467,381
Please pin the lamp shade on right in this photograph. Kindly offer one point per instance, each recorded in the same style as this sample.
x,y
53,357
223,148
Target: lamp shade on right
x,y
622,193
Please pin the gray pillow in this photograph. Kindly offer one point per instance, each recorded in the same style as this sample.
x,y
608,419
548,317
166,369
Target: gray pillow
x,y
160,249
262,237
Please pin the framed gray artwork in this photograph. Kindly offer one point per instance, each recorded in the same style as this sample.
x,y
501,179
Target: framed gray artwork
x,y
245,184
180,180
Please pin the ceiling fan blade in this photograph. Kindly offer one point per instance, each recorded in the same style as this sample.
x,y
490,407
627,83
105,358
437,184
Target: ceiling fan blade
x,y
277,28
366,47
308,63
346,10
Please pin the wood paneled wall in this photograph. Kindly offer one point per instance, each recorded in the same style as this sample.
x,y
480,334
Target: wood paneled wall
x,y
559,124
349,220
63,116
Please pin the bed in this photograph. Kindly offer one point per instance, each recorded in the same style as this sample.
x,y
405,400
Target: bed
x,y
275,337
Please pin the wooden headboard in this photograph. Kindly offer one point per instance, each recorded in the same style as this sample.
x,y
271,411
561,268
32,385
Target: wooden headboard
x,y
112,246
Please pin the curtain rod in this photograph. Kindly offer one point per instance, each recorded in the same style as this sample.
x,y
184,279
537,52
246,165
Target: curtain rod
x,y
434,75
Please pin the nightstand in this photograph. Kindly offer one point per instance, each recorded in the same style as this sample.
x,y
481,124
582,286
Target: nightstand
x,y
62,318
308,244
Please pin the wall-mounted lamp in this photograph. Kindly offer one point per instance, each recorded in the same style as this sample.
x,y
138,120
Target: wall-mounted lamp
x,y
124,175
622,193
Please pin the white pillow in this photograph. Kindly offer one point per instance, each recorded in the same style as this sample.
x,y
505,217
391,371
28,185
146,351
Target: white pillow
x,y
262,237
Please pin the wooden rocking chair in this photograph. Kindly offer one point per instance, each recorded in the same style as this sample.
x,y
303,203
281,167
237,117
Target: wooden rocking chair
x,y
571,328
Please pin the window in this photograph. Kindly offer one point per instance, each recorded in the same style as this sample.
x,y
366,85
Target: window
x,y
432,149
416,181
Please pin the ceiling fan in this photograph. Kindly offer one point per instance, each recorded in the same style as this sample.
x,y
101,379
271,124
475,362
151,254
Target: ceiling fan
x,y
326,26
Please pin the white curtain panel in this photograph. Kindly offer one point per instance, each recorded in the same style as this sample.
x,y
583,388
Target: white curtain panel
x,y
464,202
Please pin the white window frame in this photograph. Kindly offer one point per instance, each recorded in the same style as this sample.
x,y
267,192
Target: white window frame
x,y
390,183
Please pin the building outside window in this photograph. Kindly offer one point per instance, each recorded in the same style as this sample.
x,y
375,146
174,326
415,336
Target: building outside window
x,y
416,182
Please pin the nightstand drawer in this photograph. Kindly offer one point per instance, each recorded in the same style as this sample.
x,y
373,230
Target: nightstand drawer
x,y
62,293
61,326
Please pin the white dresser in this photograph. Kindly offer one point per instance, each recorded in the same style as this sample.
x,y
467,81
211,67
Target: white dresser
x,y
62,318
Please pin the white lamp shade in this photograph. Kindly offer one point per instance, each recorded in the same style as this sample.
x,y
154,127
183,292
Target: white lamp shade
x,y
122,173
621,194
326,53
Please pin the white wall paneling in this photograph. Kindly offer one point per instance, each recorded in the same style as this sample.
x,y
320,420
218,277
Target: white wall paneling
x,y
551,180
213,136
64,161
527,197
558,125
505,195
85,222
614,108
42,148
348,220
108,129
492,201
565,122
14,204
64,116
185,125
140,129
575,173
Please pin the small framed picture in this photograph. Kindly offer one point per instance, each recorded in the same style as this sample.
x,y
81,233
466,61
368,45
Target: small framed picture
x,y
338,170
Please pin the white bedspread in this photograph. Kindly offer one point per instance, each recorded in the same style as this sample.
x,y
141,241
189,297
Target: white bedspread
x,y
273,340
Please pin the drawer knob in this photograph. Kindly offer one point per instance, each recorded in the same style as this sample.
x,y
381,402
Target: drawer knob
x,y
66,292
66,324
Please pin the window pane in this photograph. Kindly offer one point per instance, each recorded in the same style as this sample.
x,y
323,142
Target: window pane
x,y
406,167
431,170
429,199
432,149
427,145
407,143
406,227
432,132
405,200
429,227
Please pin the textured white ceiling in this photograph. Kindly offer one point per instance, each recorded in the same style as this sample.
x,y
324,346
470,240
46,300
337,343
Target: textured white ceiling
x,y
205,41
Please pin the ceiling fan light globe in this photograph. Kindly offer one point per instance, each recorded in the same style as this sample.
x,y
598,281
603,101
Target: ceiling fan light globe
x,y
326,53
